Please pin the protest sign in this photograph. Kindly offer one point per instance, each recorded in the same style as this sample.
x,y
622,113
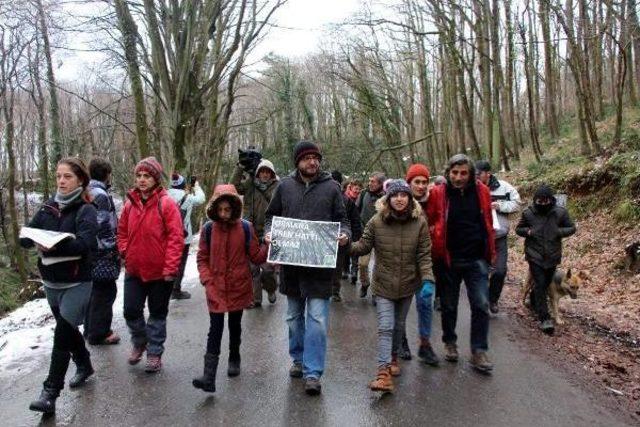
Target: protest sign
x,y
303,243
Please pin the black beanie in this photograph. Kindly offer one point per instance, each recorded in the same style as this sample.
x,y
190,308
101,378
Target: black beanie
x,y
337,176
303,148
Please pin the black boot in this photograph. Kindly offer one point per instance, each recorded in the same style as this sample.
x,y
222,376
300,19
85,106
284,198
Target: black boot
x,y
404,352
83,369
207,382
46,403
234,366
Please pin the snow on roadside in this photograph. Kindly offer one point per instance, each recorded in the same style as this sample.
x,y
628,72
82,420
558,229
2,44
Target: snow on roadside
x,y
27,332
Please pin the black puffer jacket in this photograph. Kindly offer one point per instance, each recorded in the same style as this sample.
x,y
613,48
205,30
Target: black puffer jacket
x,y
319,200
80,219
543,246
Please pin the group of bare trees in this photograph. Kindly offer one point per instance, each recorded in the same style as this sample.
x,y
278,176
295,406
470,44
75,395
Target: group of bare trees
x,y
428,78
415,80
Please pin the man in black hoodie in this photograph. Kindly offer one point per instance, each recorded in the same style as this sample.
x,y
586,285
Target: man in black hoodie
x,y
544,225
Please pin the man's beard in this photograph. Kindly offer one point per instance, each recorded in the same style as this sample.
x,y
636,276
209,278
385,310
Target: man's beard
x,y
307,174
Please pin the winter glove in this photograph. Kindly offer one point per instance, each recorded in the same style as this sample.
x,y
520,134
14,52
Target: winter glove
x,y
428,289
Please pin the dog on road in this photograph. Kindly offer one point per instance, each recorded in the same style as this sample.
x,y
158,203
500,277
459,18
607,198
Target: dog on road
x,y
562,284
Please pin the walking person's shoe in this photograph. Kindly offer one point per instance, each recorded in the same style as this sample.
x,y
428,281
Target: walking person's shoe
x,y
383,381
480,362
404,352
179,294
207,382
111,339
547,327
255,304
493,308
451,354
272,297
83,370
154,363
136,354
296,370
233,369
46,403
394,367
426,353
312,386
336,298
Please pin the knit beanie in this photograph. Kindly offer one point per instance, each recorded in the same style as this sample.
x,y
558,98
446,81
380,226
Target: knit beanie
x,y
151,166
304,148
415,170
178,181
396,186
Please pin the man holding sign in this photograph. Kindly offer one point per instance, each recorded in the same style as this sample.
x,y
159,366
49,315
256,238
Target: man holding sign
x,y
311,195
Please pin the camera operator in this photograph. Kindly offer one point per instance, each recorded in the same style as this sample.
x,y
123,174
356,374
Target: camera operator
x,y
255,178
505,200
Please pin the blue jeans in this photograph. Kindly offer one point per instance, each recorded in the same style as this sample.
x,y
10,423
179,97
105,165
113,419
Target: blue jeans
x,y
308,336
424,307
392,316
476,278
153,331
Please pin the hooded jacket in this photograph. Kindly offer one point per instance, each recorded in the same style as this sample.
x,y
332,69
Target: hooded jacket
x,y
223,260
509,200
544,231
150,236
255,200
78,218
318,200
192,200
403,251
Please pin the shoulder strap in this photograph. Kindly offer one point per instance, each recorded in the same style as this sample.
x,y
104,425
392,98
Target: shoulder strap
x,y
246,227
183,199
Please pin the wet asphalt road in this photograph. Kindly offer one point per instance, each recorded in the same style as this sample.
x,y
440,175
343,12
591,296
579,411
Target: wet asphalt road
x,y
523,390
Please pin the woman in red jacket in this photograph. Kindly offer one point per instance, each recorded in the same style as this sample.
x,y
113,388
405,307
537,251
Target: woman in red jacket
x,y
227,245
150,240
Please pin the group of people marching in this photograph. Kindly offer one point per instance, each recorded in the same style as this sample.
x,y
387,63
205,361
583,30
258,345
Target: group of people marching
x,y
423,237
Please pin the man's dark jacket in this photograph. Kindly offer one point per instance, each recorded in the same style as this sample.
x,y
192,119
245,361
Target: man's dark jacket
x,y
318,200
544,246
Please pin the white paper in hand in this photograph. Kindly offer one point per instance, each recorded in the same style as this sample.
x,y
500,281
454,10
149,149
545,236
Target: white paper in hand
x,y
45,238
494,217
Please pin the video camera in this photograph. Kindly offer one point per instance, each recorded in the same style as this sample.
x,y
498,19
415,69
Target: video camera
x,y
249,159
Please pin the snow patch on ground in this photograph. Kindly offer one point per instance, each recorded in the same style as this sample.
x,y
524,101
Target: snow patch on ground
x,y
27,332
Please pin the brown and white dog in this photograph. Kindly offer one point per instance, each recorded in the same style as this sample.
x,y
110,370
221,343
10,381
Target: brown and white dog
x,y
561,285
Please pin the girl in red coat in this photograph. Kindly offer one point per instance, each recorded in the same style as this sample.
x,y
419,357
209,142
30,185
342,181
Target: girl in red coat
x,y
150,239
228,244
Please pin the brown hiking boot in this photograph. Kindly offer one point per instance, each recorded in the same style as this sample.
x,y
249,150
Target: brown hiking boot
x,y
383,381
136,354
394,367
452,353
480,362
154,363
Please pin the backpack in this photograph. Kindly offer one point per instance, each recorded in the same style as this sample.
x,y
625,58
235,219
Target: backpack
x,y
207,230
183,213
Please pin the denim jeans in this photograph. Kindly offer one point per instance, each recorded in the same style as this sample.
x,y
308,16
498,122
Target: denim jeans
x,y
308,335
475,276
392,316
424,307
152,332
499,272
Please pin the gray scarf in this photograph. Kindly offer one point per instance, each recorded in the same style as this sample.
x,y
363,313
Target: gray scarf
x,y
64,200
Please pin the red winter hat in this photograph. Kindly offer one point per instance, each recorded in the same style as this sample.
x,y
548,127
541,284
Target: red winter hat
x,y
151,166
417,169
